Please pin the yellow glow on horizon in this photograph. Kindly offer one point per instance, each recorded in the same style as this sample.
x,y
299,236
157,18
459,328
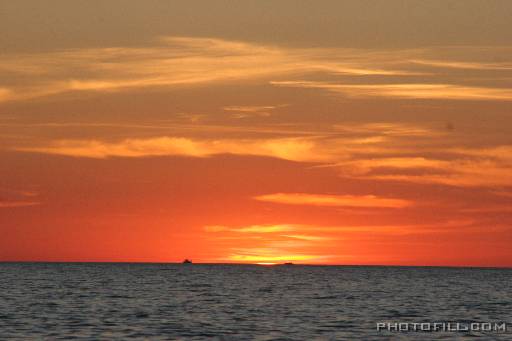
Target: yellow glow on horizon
x,y
268,258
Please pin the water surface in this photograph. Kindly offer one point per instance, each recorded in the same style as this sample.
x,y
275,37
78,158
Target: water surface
x,y
244,302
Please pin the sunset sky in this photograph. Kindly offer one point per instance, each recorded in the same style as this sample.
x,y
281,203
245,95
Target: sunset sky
x,y
256,131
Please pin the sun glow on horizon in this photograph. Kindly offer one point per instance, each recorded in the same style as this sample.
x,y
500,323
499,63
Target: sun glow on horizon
x,y
266,263
268,258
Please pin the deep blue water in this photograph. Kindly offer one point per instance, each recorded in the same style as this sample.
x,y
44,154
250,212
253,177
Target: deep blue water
x,y
46,301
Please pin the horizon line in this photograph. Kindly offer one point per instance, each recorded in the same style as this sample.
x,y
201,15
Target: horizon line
x,y
260,264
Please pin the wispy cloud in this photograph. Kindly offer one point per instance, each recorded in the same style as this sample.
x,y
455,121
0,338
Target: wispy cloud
x,y
295,149
490,167
250,111
329,232
406,90
274,246
14,204
187,61
379,151
305,237
333,200
463,65
298,242
171,61
298,148
462,174
251,228
11,198
395,129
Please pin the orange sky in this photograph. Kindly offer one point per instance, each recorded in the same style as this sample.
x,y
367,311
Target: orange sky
x,y
334,132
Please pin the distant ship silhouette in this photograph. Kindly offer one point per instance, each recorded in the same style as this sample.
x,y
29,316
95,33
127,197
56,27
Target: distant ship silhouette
x,y
288,263
187,261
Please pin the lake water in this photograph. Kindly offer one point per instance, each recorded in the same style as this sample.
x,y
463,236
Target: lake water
x,y
246,302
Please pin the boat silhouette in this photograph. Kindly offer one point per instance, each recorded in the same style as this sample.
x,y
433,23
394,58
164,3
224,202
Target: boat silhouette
x,y
187,261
